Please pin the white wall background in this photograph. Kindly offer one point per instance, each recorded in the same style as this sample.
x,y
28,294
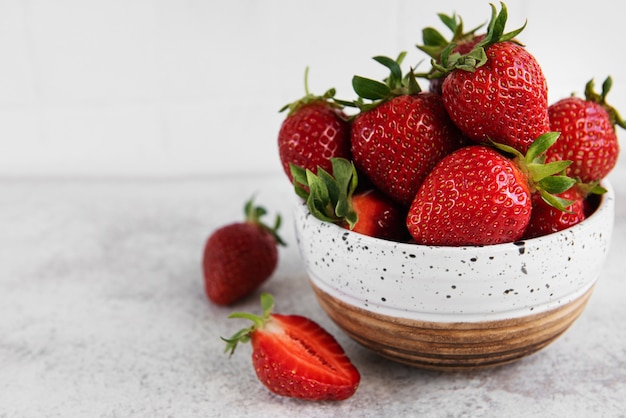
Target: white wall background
x,y
172,87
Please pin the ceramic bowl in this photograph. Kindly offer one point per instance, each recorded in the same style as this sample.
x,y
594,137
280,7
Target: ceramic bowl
x,y
455,308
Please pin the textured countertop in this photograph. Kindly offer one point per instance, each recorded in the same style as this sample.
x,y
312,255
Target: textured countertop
x,y
103,313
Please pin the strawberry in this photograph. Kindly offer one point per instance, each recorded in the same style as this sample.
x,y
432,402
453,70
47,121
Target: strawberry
x,y
293,356
315,130
336,198
400,136
477,196
498,90
588,136
240,256
546,219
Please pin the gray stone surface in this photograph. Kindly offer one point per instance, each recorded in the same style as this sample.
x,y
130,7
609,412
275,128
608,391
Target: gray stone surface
x,y
103,313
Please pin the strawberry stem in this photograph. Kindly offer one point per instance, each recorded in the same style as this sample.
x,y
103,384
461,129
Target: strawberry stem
x,y
243,335
397,84
328,97
306,82
435,42
253,214
477,57
591,95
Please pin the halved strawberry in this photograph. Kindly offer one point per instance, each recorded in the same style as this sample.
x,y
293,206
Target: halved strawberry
x,y
335,198
294,356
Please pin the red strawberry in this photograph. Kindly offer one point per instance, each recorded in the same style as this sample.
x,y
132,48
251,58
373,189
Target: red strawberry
x,y
588,135
293,356
399,137
546,219
240,256
335,198
497,91
378,216
315,130
477,196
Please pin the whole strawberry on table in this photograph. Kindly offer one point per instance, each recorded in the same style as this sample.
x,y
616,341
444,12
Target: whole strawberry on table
x,y
240,257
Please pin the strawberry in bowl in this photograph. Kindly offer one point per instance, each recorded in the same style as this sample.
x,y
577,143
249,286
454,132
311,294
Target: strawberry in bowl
x,y
507,223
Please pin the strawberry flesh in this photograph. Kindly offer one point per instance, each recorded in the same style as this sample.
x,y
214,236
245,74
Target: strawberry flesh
x,y
293,356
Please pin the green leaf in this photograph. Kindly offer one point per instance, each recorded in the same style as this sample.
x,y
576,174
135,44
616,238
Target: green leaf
x,y
507,149
413,86
401,57
498,21
253,214
591,95
328,196
300,182
395,78
370,89
319,197
345,174
345,103
476,58
597,189
243,335
346,179
556,184
555,201
317,207
432,37
539,172
328,182
267,304
450,21
541,145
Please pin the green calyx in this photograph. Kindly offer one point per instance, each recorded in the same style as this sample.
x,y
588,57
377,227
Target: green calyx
x,y
591,95
593,188
255,213
435,42
243,335
546,178
477,57
328,98
328,196
397,84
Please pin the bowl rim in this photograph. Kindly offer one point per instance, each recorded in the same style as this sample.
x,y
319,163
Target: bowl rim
x,y
491,308
604,204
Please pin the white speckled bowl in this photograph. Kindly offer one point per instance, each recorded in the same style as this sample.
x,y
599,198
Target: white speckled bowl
x,y
455,308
